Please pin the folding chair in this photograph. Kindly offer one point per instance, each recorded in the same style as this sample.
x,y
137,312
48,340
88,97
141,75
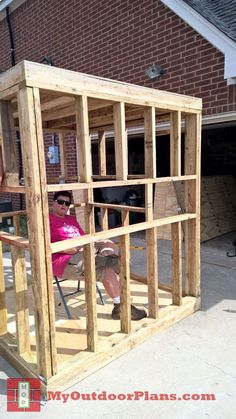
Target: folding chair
x,y
63,296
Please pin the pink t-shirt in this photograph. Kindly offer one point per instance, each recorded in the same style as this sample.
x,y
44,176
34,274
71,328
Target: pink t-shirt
x,y
62,228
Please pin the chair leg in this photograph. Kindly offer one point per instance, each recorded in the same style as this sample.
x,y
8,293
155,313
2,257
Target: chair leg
x,y
78,290
100,294
63,298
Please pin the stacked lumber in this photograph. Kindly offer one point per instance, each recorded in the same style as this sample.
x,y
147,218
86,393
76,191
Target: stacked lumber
x,y
218,205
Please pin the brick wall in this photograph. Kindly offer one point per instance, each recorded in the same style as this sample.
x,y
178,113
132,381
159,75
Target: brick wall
x,y
119,39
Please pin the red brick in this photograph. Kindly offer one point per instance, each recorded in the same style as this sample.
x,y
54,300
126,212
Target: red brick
x,y
118,39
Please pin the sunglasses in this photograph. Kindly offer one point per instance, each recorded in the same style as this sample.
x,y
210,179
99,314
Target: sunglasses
x,y
61,202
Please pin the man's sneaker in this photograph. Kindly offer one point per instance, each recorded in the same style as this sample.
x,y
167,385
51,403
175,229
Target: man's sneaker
x,y
115,314
136,313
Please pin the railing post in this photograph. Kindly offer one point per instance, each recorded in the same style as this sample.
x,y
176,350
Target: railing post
x,y
21,303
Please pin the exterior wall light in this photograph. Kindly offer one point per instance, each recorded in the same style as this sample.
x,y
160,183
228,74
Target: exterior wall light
x,y
155,71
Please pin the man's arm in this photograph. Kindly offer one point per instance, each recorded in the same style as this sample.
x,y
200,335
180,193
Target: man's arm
x,y
72,251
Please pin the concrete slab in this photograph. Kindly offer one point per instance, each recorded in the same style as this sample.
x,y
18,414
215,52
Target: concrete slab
x,y
196,356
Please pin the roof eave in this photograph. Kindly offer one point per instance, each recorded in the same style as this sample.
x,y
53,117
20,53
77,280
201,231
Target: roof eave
x,y
13,4
213,35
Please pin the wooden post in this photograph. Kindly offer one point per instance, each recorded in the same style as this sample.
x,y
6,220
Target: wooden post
x,y
21,301
121,146
151,255
8,141
31,138
16,224
150,142
102,153
85,172
83,139
84,158
3,308
104,218
192,203
63,155
175,143
121,155
45,216
175,170
125,315
176,263
151,234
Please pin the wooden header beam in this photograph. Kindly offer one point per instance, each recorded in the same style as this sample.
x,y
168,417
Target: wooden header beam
x,y
70,82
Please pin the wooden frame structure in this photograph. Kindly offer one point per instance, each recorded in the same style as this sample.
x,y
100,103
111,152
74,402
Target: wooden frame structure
x,y
34,99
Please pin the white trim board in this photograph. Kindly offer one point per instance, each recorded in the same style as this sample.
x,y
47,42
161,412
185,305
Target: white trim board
x,y
13,4
213,35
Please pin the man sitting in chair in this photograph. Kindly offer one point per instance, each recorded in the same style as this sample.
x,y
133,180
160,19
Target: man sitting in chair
x,y
69,263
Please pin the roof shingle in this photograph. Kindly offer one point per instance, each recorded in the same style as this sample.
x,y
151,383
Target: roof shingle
x,y
220,13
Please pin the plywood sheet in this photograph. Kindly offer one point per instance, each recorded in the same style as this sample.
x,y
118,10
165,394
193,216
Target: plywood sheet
x,y
218,205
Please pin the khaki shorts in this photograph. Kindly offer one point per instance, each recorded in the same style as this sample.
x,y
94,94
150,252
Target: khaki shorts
x,y
76,265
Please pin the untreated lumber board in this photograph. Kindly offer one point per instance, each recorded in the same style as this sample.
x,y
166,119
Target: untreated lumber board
x,y
9,94
67,81
121,141
192,204
150,142
151,255
83,139
28,128
107,184
102,153
14,240
85,173
3,308
13,189
63,160
80,211
115,232
46,229
8,141
117,207
175,170
21,302
176,263
175,143
104,218
124,277
90,283
12,77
